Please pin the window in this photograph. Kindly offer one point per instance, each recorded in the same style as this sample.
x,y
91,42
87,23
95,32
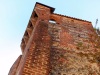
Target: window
x,y
51,21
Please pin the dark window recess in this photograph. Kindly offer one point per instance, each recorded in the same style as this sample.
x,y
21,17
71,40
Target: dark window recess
x,y
26,34
30,25
34,14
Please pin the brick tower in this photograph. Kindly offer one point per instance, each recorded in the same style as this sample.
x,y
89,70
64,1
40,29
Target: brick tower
x,y
55,44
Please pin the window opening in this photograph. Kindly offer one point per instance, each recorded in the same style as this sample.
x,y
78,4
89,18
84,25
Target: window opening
x,y
52,21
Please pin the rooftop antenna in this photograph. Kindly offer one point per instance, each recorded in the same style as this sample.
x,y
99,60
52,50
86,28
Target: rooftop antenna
x,y
96,23
97,30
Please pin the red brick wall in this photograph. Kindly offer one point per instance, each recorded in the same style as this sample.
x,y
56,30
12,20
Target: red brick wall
x,y
73,49
37,62
69,46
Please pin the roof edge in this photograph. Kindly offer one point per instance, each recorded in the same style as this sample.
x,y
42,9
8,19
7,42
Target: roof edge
x,y
51,8
72,17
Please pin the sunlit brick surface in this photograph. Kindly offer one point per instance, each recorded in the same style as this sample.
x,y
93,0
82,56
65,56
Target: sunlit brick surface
x,y
55,44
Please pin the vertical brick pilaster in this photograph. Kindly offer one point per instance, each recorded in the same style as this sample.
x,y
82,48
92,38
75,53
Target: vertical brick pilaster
x,y
38,57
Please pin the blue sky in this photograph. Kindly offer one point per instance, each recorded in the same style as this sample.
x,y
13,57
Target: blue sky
x,y
14,17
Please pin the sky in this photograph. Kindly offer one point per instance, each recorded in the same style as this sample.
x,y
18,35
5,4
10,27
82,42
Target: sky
x,y
14,17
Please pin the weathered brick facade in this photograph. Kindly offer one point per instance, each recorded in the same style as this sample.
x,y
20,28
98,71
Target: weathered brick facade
x,y
55,44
